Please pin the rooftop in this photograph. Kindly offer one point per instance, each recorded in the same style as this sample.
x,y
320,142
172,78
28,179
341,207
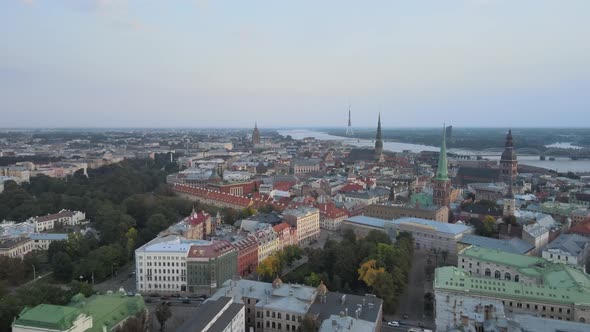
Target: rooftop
x,y
454,279
514,245
555,275
48,316
438,226
570,243
367,221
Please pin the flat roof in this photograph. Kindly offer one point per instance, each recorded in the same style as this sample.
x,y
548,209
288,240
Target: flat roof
x,y
48,316
437,225
367,221
515,245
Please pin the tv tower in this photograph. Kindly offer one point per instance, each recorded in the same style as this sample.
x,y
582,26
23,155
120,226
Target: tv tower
x,y
349,131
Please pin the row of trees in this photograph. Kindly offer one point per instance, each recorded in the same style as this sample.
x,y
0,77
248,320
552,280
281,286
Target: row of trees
x,y
372,264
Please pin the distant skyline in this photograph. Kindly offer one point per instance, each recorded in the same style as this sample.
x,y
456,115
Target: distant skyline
x,y
199,63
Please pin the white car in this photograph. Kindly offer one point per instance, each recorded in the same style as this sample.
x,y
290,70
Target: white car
x,y
393,323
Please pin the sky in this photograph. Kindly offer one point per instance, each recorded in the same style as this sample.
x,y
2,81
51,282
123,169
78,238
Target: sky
x,y
199,63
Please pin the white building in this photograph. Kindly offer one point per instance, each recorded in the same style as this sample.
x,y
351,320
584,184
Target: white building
x,y
536,235
161,264
41,241
307,221
65,217
268,243
571,249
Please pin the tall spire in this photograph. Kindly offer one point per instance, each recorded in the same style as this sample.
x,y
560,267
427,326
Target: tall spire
x,y
442,172
349,131
509,143
379,128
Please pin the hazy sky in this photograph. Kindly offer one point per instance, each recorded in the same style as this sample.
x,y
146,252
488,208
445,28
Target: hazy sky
x,y
294,63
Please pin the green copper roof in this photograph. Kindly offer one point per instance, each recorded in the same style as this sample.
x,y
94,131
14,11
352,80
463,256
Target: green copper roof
x,y
442,172
106,310
110,309
48,316
421,200
555,275
455,279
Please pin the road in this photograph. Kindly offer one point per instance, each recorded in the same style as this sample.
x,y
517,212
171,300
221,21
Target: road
x,y
121,279
411,302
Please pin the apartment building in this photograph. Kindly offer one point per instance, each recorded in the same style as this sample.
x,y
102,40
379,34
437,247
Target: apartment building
x,y
307,222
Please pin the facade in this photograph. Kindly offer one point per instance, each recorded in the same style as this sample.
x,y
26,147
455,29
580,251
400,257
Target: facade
x,y
210,264
441,193
18,174
41,241
508,162
580,199
509,203
307,222
173,264
247,255
16,247
306,166
571,249
97,313
198,226
276,306
268,243
220,315
430,235
389,212
524,284
287,235
579,215
361,226
212,197
331,217
65,217
536,235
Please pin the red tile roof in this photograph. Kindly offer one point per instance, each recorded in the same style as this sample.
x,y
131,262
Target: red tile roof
x,y
330,210
213,195
582,228
351,187
213,249
198,217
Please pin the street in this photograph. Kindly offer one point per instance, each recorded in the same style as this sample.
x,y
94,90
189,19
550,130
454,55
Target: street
x,y
411,302
121,279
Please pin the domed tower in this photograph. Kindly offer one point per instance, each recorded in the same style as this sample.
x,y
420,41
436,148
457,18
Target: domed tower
x,y
508,163
378,142
441,182
255,135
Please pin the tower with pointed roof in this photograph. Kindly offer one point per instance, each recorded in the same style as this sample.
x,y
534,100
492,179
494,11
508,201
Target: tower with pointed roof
x,y
441,182
509,202
378,142
349,131
508,162
255,135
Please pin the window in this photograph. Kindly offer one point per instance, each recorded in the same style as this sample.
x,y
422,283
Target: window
x,y
497,274
507,276
488,273
516,278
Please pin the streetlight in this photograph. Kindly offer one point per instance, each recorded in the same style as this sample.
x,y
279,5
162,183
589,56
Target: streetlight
x,y
34,272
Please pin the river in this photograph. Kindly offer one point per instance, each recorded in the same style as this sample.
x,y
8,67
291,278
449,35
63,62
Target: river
x,y
559,164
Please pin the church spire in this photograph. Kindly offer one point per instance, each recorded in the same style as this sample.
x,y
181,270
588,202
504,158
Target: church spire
x,y
442,172
378,137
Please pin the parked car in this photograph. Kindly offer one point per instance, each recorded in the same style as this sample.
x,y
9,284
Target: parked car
x,y
130,294
406,316
149,300
168,303
186,300
393,323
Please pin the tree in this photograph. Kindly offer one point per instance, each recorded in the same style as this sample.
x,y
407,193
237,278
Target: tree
x,y
313,280
62,266
377,237
269,267
80,287
163,313
384,287
368,271
131,236
309,324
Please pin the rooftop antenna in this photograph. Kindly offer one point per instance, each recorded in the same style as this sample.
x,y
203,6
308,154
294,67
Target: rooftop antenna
x,y
349,131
